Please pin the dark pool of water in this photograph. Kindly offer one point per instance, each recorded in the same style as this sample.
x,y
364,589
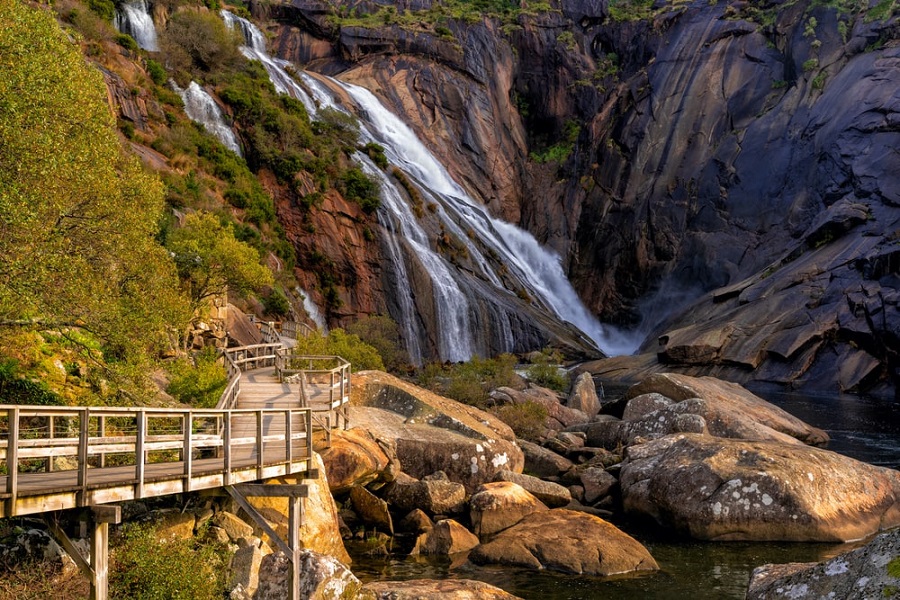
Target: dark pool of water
x,y
865,429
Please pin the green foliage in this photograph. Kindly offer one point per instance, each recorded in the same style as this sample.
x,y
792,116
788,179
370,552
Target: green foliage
x,y
78,215
882,11
382,333
567,39
16,389
210,259
199,42
818,81
348,346
809,65
358,187
560,152
127,42
105,9
893,567
376,153
526,420
630,10
470,382
199,382
544,371
156,71
145,567
276,304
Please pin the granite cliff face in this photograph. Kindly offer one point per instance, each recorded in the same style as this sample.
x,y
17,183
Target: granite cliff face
x,y
736,161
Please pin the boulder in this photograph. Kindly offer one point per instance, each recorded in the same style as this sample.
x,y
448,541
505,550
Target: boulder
x,y
583,396
731,399
498,506
233,526
568,541
644,404
245,568
320,531
431,433
872,571
446,537
355,458
416,522
596,482
431,589
541,462
371,509
551,494
722,489
435,494
558,416
322,577
174,524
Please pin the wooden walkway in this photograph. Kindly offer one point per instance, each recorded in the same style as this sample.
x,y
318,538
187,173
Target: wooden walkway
x,y
55,458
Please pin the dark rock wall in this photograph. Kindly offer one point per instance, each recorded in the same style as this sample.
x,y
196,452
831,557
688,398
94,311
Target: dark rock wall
x,y
731,144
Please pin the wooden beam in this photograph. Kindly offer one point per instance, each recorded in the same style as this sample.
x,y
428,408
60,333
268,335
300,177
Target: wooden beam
x,y
252,490
258,519
100,559
295,520
56,531
107,513
12,460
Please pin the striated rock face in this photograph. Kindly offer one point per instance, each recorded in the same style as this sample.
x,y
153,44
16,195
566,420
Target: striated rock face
x,y
721,489
734,156
431,433
567,541
872,571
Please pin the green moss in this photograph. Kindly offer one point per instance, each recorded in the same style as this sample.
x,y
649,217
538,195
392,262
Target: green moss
x,y
893,567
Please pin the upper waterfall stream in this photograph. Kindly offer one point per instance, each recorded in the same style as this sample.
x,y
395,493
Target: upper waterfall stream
x,y
133,18
493,287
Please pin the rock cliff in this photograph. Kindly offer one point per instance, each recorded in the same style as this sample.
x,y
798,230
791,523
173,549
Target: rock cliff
x,y
731,160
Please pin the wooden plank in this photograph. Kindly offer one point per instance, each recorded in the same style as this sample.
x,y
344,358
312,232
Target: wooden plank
x,y
266,490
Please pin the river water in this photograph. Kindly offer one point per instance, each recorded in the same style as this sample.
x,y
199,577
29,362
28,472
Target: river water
x,y
866,429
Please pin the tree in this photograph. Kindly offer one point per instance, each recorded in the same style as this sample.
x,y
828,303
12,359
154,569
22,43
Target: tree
x,y
78,215
210,259
200,42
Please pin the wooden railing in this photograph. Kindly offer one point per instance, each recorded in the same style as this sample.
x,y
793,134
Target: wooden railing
x,y
296,330
244,358
324,386
92,455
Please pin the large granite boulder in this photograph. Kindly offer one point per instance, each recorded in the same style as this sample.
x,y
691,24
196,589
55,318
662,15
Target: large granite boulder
x,y
541,462
872,571
445,538
722,489
583,395
432,589
727,403
551,494
431,433
498,506
371,509
565,540
322,577
320,530
355,458
435,494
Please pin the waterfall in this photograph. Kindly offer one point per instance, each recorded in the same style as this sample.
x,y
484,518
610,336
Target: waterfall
x,y
133,18
201,108
510,284
255,49
312,311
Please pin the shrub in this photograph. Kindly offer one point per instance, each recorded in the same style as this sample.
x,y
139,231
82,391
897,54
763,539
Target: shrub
x,y
15,389
359,187
545,371
199,383
156,72
470,382
350,347
382,333
526,420
127,42
276,304
144,567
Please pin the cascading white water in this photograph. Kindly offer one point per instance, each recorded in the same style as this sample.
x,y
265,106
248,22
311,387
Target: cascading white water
x,y
535,266
200,107
133,18
312,310
538,271
256,50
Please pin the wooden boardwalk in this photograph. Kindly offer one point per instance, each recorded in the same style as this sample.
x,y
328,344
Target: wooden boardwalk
x,y
55,458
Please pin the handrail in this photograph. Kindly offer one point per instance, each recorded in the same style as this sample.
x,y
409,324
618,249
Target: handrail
x,y
35,437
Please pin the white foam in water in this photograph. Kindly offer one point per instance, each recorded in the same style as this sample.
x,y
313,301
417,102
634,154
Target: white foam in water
x,y
200,107
133,18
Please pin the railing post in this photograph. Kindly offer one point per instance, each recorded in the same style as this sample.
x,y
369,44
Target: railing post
x,y
226,444
102,434
186,453
12,460
260,451
50,434
139,458
83,441
288,439
309,434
